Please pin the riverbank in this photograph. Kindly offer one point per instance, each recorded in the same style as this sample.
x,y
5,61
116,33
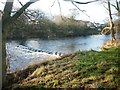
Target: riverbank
x,y
110,44
53,36
47,29
87,69
21,53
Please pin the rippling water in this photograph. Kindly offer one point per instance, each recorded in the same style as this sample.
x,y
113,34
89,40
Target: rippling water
x,y
68,45
21,56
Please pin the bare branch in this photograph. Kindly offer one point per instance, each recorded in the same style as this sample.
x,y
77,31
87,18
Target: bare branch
x,y
33,1
51,12
29,12
21,10
59,7
60,10
20,2
17,14
24,12
53,3
105,7
82,2
114,6
117,3
83,11
51,7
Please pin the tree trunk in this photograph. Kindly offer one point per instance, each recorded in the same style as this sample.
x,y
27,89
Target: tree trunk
x,y
111,23
7,20
6,16
4,66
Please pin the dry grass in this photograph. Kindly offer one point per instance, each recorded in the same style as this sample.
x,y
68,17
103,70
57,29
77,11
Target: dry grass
x,y
110,44
88,69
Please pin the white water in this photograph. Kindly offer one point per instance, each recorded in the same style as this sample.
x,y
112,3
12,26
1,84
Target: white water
x,y
20,57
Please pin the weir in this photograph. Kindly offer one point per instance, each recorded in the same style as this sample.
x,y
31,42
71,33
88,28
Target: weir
x,y
19,56
39,50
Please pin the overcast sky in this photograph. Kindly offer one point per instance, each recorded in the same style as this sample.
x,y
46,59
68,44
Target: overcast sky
x,y
96,11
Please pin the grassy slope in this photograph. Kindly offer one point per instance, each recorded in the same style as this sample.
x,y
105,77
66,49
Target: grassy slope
x,y
89,69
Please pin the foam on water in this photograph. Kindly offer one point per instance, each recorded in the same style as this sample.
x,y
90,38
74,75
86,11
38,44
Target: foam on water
x,y
20,56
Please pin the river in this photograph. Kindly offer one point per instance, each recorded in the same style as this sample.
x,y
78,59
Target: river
x,y
22,53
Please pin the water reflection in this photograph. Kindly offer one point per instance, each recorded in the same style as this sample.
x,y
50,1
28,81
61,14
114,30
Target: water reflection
x,y
68,45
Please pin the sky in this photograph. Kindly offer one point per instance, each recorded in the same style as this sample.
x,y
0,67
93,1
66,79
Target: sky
x,y
95,10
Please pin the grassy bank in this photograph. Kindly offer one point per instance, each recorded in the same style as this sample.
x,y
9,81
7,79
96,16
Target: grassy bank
x,y
110,44
88,69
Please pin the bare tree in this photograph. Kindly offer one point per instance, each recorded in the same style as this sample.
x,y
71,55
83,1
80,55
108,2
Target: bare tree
x,y
111,22
7,20
116,6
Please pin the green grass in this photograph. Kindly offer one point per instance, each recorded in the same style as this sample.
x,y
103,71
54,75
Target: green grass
x,y
88,69
103,66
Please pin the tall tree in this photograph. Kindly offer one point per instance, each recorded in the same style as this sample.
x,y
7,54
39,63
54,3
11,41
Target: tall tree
x,y
7,20
111,22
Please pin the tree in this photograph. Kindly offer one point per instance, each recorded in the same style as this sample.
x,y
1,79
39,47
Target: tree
x,y
117,7
111,27
111,22
7,20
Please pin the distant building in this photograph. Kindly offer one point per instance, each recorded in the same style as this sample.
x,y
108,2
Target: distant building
x,y
62,19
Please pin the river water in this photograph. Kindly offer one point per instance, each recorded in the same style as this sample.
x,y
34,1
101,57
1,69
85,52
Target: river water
x,y
22,53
